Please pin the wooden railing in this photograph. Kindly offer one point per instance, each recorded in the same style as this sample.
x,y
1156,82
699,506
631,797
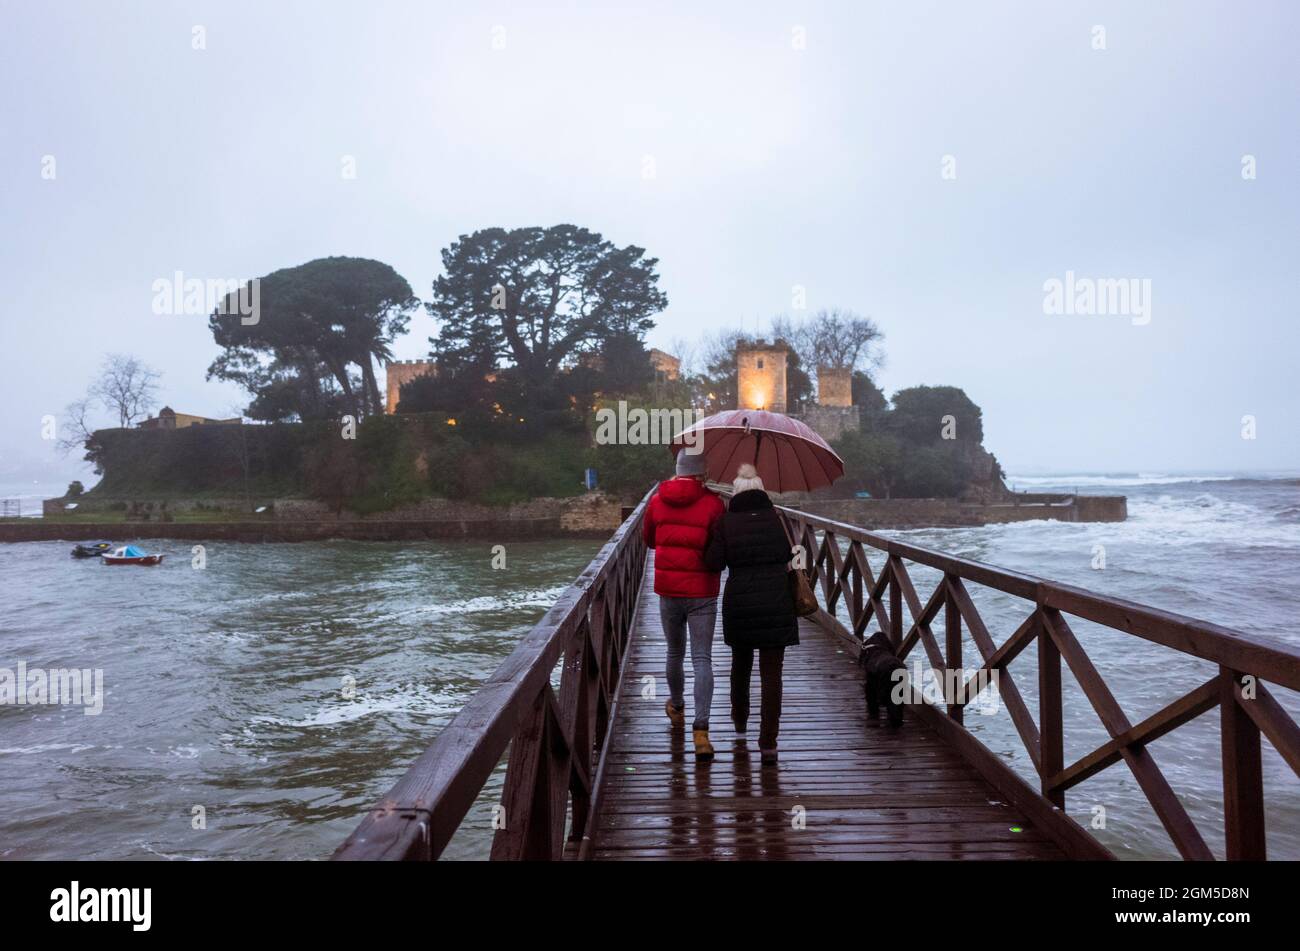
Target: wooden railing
x,y
557,740
1247,708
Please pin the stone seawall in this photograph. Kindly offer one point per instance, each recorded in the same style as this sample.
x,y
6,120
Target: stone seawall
x,y
487,530
289,519
594,516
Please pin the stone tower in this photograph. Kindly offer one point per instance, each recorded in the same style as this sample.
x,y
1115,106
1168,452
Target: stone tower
x,y
760,376
400,372
834,386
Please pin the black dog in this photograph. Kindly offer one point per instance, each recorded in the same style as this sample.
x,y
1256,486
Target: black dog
x,y
879,662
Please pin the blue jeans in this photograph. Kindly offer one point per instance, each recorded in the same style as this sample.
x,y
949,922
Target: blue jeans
x,y
699,615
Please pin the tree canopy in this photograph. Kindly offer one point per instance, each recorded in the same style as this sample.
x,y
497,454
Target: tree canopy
x,y
912,449
535,296
835,338
919,414
319,329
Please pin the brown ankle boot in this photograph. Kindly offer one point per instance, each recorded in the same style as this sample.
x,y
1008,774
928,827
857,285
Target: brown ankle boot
x,y
703,748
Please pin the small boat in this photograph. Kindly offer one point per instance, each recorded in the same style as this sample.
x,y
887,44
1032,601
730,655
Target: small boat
x,y
91,549
130,555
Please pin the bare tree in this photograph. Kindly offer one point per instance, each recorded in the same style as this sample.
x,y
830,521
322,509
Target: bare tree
x,y
684,351
835,338
76,426
126,387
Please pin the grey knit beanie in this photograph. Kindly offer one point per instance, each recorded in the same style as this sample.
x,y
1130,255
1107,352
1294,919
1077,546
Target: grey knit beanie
x,y
690,463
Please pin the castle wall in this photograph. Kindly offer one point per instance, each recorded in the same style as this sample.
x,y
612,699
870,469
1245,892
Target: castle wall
x,y
831,422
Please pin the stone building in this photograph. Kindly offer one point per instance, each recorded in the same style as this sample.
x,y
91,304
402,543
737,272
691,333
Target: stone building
x,y
834,414
168,418
761,384
401,372
667,367
760,376
835,386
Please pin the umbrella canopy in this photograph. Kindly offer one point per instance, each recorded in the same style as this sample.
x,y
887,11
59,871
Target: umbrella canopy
x,y
788,455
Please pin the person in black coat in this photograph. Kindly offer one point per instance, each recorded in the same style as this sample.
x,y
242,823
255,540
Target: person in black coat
x,y
757,607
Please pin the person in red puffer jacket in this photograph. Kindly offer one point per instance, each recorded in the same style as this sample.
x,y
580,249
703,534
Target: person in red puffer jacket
x,y
676,525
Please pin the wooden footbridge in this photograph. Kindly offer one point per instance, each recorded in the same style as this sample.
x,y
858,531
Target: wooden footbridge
x,y
595,772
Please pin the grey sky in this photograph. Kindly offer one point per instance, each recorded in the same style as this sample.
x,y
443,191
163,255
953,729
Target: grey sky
x,y
774,167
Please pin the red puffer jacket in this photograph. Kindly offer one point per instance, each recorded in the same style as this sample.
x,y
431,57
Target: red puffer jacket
x,y
676,525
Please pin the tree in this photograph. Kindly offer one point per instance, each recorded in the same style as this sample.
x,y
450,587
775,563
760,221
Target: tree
x,y
625,365
835,338
77,428
873,461
869,399
534,296
933,472
316,322
684,351
282,390
126,387
921,416
333,472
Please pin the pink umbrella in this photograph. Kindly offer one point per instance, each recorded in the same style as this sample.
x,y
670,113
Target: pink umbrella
x,y
788,455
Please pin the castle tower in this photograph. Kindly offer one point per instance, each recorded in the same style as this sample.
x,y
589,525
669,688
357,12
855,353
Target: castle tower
x,y
834,386
400,372
667,367
760,376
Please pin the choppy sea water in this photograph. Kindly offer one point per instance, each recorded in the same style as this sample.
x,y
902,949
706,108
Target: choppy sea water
x,y
225,687
1222,549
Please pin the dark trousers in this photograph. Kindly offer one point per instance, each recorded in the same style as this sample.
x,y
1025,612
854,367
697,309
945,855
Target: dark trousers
x,y
770,661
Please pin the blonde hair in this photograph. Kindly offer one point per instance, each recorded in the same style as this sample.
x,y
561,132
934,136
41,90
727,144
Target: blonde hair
x,y
746,479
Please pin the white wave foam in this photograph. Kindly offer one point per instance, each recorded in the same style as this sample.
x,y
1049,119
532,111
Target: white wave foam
x,y
419,699
1113,479
45,748
537,598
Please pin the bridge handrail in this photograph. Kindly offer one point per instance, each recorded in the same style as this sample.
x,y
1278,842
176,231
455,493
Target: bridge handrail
x,y
1247,708
555,742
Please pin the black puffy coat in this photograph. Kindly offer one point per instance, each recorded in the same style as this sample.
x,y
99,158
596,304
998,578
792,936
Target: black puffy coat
x,y
757,609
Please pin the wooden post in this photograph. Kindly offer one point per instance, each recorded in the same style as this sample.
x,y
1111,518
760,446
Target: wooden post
x,y
525,832
1051,742
895,606
1243,775
952,650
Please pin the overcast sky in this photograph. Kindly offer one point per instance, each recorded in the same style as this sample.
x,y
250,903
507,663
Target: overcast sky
x,y
791,144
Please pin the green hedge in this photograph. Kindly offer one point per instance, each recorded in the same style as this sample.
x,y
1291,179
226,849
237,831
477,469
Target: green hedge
x,y
392,461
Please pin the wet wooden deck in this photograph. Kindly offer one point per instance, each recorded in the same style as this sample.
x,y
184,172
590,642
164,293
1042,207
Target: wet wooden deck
x,y
862,791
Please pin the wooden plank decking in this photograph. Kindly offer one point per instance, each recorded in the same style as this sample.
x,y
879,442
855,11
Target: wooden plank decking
x,y
866,792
